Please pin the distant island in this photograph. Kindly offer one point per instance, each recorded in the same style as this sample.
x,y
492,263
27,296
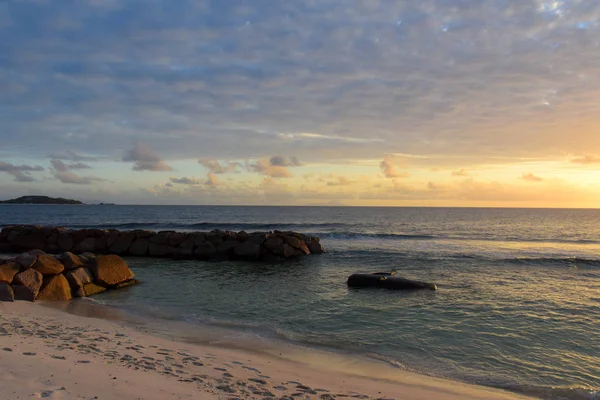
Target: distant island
x,y
40,200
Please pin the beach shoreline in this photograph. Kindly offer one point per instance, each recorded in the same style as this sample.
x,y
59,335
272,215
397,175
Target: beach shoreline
x,y
49,353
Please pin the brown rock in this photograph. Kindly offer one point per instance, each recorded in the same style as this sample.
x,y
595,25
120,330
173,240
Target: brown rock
x,y
247,250
297,244
31,280
126,283
89,289
65,241
8,271
86,245
36,252
6,292
22,293
71,261
206,250
288,251
48,265
122,243
55,288
78,277
160,250
110,270
139,247
26,260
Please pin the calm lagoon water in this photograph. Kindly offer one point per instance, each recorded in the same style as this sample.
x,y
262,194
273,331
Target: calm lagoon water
x,y
518,304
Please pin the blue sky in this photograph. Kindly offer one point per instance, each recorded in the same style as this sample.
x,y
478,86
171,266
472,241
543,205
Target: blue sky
x,y
436,102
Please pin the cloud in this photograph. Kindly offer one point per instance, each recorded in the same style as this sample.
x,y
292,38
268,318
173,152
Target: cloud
x,y
586,159
340,181
460,172
275,167
185,181
145,159
63,173
278,161
435,186
21,173
531,178
71,155
216,167
388,167
211,180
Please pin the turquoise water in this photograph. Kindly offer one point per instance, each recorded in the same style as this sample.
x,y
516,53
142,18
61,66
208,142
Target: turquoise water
x,y
518,304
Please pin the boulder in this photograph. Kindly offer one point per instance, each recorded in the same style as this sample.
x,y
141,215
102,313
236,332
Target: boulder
x,y
160,249
112,237
71,261
214,238
78,277
247,250
139,247
257,238
316,247
143,233
122,243
242,236
225,249
199,238
126,283
55,288
287,251
297,244
31,280
22,293
26,260
8,271
185,249
110,270
87,257
28,241
206,250
86,245
89,289
48,265
274,242
161,237
101,243
65,241
176,238
6,292
35,252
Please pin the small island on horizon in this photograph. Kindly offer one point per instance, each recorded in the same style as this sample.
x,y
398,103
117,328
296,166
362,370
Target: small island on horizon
x,y
41,200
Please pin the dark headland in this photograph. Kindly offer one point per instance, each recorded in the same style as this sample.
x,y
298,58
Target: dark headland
x,y
40,200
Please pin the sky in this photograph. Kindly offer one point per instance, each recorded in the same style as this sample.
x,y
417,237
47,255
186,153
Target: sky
x,y
317,102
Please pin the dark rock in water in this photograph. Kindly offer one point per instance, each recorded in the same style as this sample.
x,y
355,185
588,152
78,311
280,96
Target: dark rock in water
x,y
247,250
388,281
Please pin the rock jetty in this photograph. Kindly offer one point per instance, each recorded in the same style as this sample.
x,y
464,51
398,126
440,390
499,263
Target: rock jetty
x,y
214,245
35,275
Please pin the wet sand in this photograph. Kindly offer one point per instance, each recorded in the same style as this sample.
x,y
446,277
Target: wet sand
x,y
46,352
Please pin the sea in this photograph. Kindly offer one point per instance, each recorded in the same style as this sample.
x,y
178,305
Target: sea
x,y
517,305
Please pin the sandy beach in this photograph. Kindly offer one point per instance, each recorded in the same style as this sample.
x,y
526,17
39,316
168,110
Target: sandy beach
x,y
48,353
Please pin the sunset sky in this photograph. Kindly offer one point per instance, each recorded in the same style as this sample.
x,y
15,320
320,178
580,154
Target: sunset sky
x,y
322,102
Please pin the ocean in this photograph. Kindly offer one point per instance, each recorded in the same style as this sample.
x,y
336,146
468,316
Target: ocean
x,y
518,305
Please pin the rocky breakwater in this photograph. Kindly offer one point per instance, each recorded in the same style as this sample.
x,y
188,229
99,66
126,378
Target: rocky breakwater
x,y
35,275
214,245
